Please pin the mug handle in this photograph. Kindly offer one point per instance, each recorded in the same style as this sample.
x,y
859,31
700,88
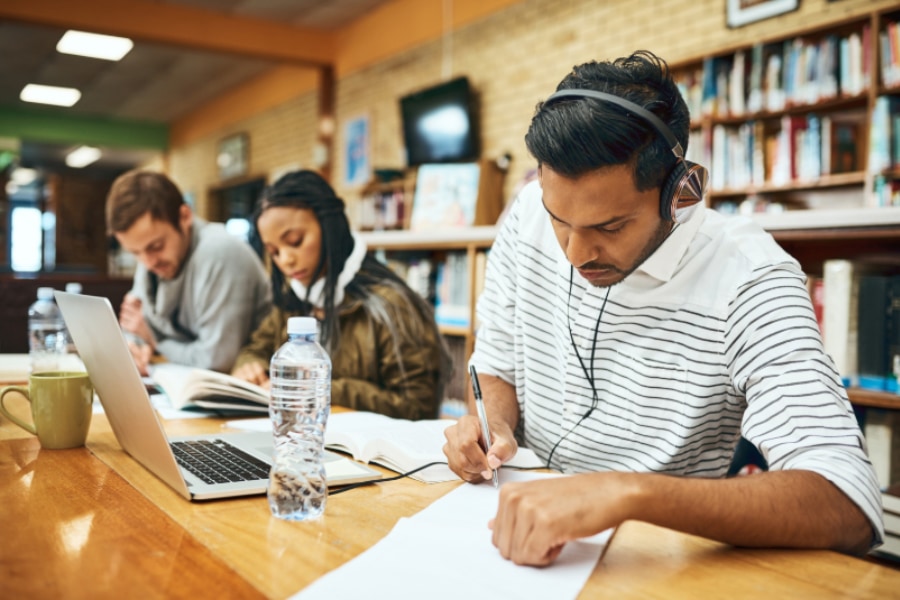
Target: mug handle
x,y
17,421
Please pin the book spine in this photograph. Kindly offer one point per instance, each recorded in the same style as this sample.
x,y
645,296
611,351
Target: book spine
x,y
883,444
840,315
872,323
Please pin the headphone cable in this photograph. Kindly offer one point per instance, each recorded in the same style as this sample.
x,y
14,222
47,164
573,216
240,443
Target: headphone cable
x,y
588,375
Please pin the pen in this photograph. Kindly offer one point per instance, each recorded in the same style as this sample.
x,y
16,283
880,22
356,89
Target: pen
x,y
482,416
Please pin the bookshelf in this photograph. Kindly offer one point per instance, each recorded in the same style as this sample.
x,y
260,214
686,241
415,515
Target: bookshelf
x,y
806,121
802,133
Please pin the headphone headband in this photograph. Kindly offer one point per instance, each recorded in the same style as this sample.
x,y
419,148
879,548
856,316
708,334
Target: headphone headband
x,y
640,111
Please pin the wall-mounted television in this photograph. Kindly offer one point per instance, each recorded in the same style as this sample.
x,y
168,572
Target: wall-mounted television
x,y
440,124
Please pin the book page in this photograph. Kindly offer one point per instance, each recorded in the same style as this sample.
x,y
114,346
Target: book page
x,y
412,443
402,445
185,386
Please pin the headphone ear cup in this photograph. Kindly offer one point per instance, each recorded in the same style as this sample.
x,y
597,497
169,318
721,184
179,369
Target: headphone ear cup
x,y
685,186
667,194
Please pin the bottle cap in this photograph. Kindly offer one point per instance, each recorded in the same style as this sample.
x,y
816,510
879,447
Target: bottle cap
x,y
301,325
45,293
73,287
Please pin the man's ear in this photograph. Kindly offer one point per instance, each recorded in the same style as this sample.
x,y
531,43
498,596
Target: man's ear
x,y
185,218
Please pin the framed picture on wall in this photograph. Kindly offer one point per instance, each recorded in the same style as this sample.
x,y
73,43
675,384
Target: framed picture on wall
x,y
741,12
446,196
357,170
232,155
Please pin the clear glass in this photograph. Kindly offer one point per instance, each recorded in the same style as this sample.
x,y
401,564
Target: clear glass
x,y
300,403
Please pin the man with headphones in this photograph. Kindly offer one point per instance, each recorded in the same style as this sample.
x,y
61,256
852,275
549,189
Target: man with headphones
x,y
630,336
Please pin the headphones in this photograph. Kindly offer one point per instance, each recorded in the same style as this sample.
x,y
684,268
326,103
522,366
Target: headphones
x,y
686,183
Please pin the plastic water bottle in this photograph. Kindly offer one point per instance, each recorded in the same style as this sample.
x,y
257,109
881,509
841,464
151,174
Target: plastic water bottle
x,y
46,333
300,403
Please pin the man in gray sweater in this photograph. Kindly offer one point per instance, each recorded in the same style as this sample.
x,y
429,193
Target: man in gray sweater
x,y
198,291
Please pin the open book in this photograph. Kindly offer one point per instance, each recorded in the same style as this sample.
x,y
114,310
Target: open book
x,y
189,387
401,445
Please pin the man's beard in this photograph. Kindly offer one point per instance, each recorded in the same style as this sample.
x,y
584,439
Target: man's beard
x,y
659,236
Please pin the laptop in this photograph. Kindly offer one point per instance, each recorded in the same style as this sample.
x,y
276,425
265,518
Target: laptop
x,y
240,461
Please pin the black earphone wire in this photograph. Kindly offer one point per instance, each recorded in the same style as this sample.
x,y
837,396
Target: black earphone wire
x,y
588,375
353,486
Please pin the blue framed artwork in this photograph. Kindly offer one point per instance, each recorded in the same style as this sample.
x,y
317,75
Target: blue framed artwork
x,y
357,169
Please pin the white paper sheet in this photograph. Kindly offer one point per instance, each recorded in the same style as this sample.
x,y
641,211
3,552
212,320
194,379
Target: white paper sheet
x,y
445,551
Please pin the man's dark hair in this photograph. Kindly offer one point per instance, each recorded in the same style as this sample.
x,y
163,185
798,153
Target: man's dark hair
x,y
575,136
136,193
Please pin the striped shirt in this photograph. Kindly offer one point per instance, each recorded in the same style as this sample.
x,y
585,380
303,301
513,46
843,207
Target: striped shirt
x,y
711,338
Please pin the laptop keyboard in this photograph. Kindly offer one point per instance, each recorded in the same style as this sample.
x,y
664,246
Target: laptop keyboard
x,y
217,461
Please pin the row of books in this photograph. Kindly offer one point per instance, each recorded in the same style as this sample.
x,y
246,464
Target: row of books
x,y
443,282
858,307
884,134
384,210
889,46
451,303
884,151
771,77
802,148
416,269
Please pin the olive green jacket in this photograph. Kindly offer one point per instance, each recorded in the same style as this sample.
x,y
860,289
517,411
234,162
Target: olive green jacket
x,y
366,372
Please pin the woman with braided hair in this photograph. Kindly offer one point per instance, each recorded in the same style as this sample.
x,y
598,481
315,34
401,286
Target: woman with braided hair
x,y
387,353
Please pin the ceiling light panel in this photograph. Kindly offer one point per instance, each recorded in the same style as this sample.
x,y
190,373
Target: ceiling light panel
x,y
82,156
94,45
50,94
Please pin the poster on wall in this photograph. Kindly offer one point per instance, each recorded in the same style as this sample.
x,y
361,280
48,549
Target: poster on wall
x,y
446,196
232,155
357,170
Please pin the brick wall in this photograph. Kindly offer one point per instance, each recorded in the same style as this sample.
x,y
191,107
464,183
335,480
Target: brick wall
x,y
514,58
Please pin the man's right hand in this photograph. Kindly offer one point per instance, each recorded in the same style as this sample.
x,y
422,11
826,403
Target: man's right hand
x,y
253,372
131,319
465,453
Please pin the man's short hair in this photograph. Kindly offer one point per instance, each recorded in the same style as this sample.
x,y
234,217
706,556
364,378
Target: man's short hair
x,y
575,136
136,193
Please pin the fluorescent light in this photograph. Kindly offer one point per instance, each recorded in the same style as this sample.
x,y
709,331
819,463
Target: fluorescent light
x,y
82,156
94,45
50,94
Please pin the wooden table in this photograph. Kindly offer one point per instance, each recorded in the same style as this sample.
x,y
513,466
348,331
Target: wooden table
x,y
92,523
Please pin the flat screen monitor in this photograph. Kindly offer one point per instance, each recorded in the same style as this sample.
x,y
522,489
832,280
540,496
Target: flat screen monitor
x,y
440,124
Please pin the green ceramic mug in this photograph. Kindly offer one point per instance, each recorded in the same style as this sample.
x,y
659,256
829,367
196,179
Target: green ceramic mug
x,y
61,407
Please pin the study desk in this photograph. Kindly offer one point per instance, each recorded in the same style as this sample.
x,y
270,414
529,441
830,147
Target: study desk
x,y
92,523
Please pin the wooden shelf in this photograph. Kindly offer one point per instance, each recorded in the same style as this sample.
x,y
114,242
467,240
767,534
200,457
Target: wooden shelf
x,y
855,178
873,399
443,239
831,104
454,330
836,220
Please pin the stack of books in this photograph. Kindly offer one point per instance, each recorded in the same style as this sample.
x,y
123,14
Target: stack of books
x,y
890,499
